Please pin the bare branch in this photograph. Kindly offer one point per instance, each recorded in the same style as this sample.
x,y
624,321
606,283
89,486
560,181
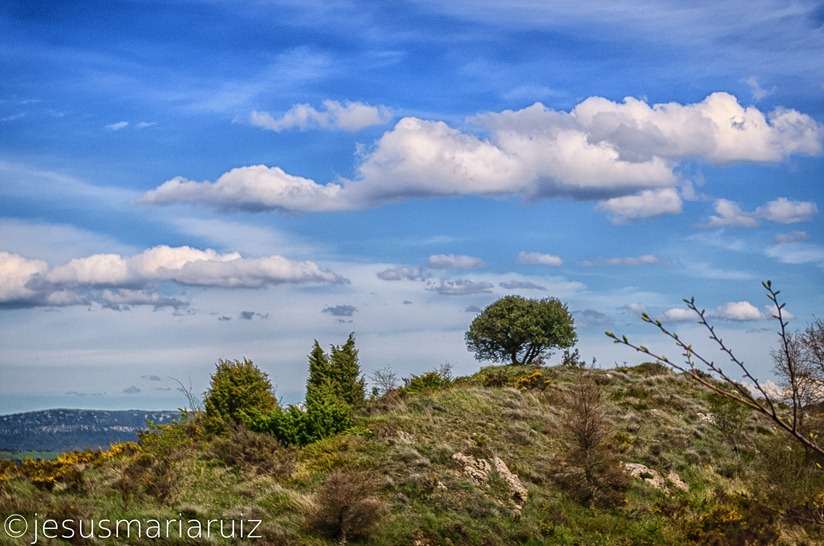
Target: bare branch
x,y
763,402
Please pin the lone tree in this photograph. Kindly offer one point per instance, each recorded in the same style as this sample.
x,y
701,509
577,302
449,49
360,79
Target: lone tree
x,y
517,330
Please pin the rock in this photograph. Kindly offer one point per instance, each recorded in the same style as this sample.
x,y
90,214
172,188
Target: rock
x,y
655,479
479,470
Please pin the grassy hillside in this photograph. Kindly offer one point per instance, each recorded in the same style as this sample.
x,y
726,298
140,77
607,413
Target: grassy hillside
x,y
495,458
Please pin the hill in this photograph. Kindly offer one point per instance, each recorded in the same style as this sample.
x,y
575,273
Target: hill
x,y
61,430
510,455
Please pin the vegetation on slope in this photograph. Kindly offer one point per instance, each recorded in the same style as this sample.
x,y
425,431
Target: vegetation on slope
x,y
510,455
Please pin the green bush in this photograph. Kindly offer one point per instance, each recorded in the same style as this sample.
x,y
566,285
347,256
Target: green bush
x,y
337,374
428,381
238,388
651,368
322,417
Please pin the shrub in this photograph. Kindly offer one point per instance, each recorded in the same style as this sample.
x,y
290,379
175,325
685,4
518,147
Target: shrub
x,y
254,452
347,506
320,418
428,381
651,368
237,388
590,471
495,378
733,521
533,381
66,470
336,374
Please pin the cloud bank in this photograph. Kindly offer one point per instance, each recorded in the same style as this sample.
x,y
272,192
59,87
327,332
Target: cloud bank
x,y
622,154
119,281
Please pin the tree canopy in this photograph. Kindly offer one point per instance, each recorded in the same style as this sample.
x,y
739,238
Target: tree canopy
x,y
337,374
238,387
518,330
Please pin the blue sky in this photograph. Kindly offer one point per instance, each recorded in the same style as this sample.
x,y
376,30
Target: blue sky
x,y
187,181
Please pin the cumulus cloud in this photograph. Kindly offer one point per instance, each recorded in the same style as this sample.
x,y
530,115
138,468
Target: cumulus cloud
x,y
678,314
347,116
729,214
453,261
537,258
251,315
784,211
781,211
771,311
15,274
623,154
739,310
646,204
118,281
253,188
734,310
646,259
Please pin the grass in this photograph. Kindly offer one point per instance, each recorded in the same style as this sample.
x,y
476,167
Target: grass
x,y
407,443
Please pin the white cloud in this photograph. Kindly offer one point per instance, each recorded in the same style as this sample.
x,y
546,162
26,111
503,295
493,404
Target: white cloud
x,y
452,261
678,314
739,310
623,154
646,259
734,310
646,204
771,311
349,116
251,188
729,214
15,273
537,258
784,211
117,126
113,279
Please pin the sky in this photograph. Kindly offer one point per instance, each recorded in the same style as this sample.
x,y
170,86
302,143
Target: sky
x,y
188,181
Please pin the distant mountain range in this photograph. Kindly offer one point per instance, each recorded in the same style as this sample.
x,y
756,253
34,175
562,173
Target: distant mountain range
x,y
70,429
